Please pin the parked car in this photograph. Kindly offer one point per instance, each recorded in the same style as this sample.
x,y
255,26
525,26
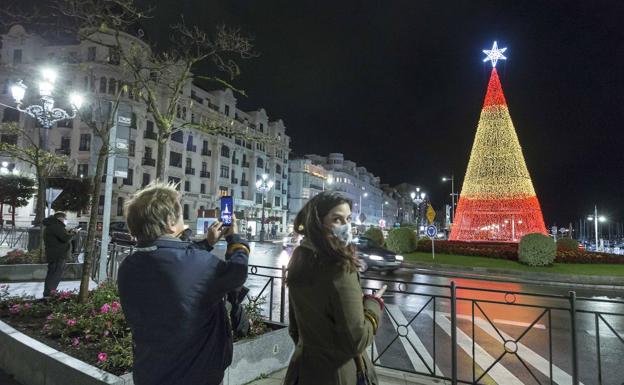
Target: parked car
x,y
373,256
120,234
291,240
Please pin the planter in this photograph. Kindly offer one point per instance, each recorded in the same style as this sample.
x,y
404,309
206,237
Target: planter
x,y
34,363
36,272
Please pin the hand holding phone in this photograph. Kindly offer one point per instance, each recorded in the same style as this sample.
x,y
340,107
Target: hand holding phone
x,y
227,210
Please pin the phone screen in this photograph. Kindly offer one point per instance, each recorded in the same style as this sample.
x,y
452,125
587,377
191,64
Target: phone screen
x,y
227,208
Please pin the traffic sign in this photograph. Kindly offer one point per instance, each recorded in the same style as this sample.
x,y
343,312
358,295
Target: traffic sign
x,y
431,231
430,214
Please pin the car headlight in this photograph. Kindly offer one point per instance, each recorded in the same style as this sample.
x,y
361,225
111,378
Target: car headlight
x,y
375,258
399,257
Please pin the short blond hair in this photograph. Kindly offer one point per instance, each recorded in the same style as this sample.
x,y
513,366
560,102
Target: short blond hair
x,y
151,211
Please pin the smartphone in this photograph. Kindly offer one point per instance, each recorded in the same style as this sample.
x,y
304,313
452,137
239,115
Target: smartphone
x,y
227,208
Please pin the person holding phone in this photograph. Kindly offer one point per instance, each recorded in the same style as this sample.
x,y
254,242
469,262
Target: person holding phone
x,y
172,292
331,321
57,244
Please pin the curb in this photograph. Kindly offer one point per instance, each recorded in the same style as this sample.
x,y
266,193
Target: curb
x,y
503,275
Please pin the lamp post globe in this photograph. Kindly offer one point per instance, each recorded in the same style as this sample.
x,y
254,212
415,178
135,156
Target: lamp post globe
x,y
263,185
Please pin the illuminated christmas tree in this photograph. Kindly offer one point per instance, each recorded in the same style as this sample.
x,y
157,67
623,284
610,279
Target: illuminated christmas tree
x,y
497,201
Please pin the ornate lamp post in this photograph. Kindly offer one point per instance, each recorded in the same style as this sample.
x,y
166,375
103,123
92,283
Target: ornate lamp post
x,y
45,113
263,186
418,198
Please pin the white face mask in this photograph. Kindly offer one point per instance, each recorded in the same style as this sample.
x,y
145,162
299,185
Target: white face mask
x,y
343,233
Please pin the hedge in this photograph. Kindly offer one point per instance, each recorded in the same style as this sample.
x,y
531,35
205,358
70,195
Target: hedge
x,y
401,240
537,249
376,235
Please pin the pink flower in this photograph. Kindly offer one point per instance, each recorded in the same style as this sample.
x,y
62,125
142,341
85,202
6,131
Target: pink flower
x,y
27,306
71,322
15,309
102,357
46,327
105,308
116,306
50,317
106,333
53,292
75,341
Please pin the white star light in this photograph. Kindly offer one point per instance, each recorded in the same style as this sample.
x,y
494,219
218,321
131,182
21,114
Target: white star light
x,y
494,54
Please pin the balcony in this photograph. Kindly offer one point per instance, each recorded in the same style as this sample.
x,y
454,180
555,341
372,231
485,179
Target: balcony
x,y
246,164
213,106
284,192
189,171
235,161
150,135
206,152
244,183
235,180
191,148
62,151
176,164
149,162
204,174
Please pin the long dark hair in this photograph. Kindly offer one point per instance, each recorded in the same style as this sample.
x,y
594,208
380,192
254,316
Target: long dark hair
x,y
329,249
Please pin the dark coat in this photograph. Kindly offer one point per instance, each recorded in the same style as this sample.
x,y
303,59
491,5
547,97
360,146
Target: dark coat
x,y
329,327
172,294
56,239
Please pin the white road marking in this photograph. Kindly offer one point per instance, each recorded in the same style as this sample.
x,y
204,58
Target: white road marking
x,y
516,323
417,363
498,372
605,332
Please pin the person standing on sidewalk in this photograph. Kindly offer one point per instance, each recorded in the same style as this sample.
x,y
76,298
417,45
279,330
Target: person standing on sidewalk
x,y
172,293
57,244
331,322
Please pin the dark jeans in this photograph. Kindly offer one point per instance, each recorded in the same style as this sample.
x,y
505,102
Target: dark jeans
x,y
53,276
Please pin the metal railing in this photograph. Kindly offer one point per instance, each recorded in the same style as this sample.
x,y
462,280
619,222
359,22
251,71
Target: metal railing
x,y
14,237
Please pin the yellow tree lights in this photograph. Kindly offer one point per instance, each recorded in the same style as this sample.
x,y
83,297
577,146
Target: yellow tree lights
x,y
497,201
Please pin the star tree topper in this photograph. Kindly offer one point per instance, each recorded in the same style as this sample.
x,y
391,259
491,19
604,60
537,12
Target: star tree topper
x,y
494,54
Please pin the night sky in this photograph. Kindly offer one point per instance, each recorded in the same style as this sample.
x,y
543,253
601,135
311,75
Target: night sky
x,y
398,86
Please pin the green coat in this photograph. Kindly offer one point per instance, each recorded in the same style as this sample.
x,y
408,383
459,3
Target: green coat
x,y
329,328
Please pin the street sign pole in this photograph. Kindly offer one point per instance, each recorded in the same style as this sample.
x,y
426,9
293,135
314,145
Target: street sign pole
x,y
432,231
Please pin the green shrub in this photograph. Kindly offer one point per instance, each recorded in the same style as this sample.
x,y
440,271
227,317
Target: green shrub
x,y
401,240
537,250
567,244
375,234
19,257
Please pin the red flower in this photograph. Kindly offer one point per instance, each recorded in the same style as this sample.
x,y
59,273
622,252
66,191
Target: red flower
x,y
102,357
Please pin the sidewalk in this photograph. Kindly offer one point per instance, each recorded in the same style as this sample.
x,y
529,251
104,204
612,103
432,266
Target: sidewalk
x,y
386,377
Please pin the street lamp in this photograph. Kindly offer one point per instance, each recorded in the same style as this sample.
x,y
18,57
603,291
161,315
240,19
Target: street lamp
x,y
330,181
360,206
382,208
453,194
263,186
418,198
46,114
595,218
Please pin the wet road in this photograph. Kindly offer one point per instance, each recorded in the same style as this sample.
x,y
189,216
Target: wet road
x,y
514,338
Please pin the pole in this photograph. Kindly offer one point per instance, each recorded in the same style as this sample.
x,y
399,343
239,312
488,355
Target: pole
x,y
452,198
262,220
433,248
108,197
596,224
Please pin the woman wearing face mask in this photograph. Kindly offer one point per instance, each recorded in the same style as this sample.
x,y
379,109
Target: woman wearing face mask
x,y
331,322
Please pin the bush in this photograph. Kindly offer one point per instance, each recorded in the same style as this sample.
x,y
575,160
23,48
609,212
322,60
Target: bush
x,y
582,256
498,250
567,244
375,234
18,257
537,250
401,240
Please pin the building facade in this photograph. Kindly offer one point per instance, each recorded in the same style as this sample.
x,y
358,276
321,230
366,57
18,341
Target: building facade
x,y
314,173
206,166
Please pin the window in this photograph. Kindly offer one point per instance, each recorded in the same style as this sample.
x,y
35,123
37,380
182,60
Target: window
x,y
65,143
175,159
225,172
258,198
120,204
278,185
129,181
225,151
260,163
91,53
10,115
83,170
9,139
261,127
204,167
148,153
133,119
112,86
185,212
278,201
278,169
17,56
175,181
227,110
85,142
242,194
205,147
223,191
103,85
187,185
131,148
178,136
149,126
146,179
202,188
113,55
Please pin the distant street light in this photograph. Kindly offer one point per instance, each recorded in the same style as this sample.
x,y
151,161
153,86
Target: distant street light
x,y
453,194
263,186
596,218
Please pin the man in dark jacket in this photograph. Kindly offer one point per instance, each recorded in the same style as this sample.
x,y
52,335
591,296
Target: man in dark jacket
x,y
172,293
57,242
